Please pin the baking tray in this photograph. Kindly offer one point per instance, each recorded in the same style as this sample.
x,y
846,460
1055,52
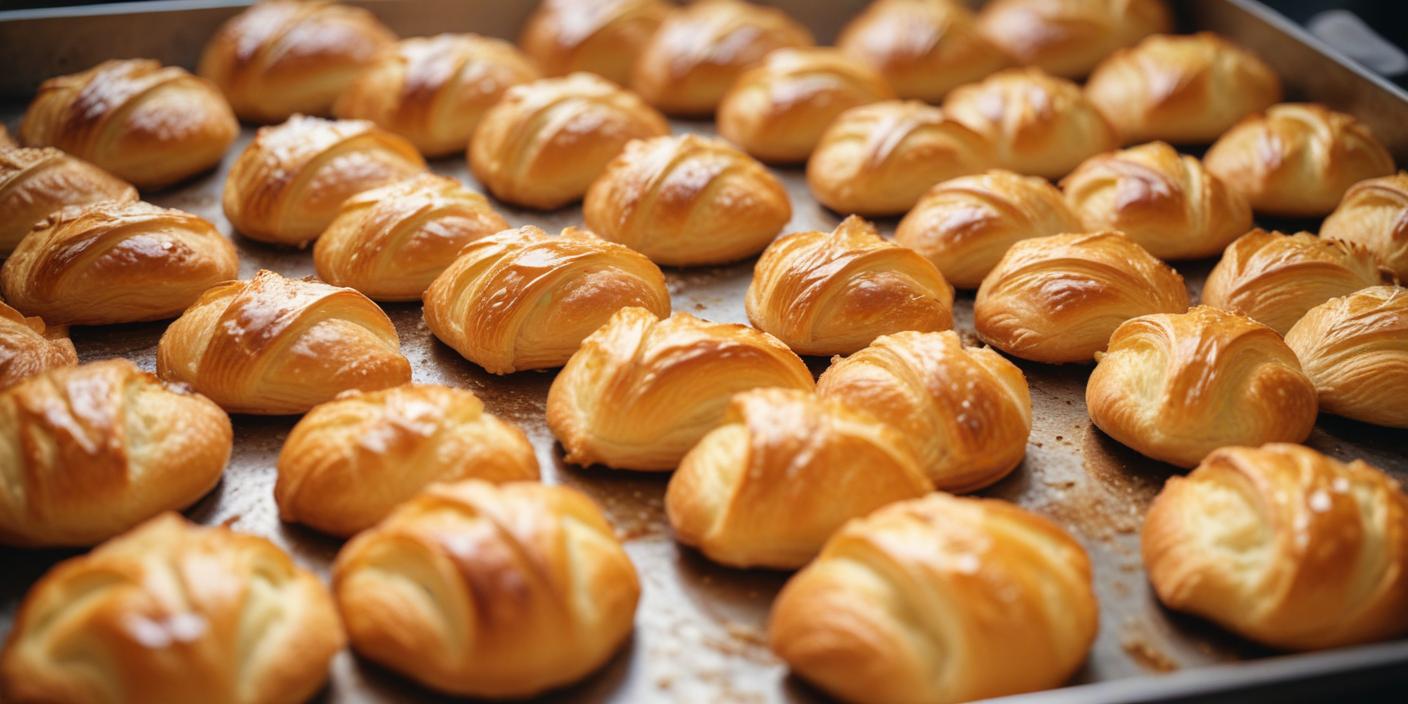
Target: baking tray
x,y
700,628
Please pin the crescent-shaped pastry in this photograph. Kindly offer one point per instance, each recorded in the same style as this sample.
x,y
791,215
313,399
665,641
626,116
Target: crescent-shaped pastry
x,y
171,611
641,390
1374,215
1284,546
1355,350
115,262
277,346
29,347
834,292
522,299
939,599
1297,159
6,141
597,36
923,48
1057,299
35,183
489,591
1070,37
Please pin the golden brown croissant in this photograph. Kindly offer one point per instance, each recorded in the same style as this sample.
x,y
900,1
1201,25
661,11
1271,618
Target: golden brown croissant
x,y
37,182
489,591
1355,350
170,612
90,451
6,141
597,36
113,262
276,346
687,200
641,390
522,299
1165,201
29,347
1070,37
391,242
1283,545
834,292
923,48
939,599
1374,214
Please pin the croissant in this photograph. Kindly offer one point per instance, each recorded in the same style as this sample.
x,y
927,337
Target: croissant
x,y
1355,350
834,292
923,48
1297,160
524,300
879,159
939,599
489,591
391,242
277,346
1283,545
598,36
1068,38
642,391
6,141
116,262
29,347
37,182
1374,214
1165,201
172,612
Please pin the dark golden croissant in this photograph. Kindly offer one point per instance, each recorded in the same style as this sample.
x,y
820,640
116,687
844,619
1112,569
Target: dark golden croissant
x,y
1374,214
597,36
35,183
1355,350
29,347
923,48
1070,37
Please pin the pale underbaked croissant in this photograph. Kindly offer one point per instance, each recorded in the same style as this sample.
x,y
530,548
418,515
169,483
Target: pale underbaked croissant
x,y
277,346
824,462
1070,37
1355,350
1374,214
522,299
37,182
391,242
489,591
1057,299
1283,545
966,412
29,347
1176,387
923,48
172,612
113,262
641,390
597,36
834,292
938,600
88,452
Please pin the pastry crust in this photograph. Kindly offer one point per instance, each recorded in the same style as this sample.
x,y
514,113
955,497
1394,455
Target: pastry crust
x,y
923,48
604,37
1355,349
1068,38
29,347
6,141
34,183
1374,214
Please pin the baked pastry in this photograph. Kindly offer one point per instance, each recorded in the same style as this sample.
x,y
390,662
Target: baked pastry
x,y
641,390
700,50
878,159
352,460
489,591
939,599
1283,545
1070,37
834,292
597,36
687,200
1374,214
283,57
965,412
1057,299
115,262
1040,125
784,447
146,123
391,242
171,611
1355,350
6,141
544,143
522,299
1165,201
1297,159
91,451
1275,278
923,48
1176,387
277,346
37,182
29,347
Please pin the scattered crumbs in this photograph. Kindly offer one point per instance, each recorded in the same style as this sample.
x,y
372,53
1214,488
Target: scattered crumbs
x,y
1147,656
1059,438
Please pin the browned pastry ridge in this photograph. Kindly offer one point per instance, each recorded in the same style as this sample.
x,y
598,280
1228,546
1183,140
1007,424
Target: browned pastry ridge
x,y
29,347
1374,214
35,183
923,48
1070,37
1355,350
604,37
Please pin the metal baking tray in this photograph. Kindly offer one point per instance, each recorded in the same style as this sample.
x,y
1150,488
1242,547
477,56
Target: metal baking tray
x,y
700,630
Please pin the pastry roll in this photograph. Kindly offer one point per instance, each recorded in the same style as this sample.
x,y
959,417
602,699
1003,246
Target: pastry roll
x,y
923,48
1297,160
939,599
1284,546
91,451
544,143
115,262
1374,214
824,462
1355,350
172,611
597,36
641,390
1176,387
489,591
1068,38
834,292
1057,299
277,346
391,242
965,412
522,299
37,182
29,347
352,460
